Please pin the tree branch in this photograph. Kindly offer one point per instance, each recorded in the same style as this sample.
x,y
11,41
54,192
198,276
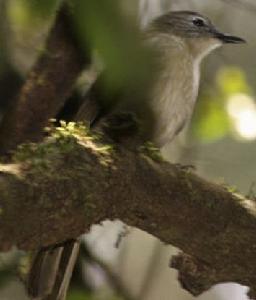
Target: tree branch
x,y
59,188
47,87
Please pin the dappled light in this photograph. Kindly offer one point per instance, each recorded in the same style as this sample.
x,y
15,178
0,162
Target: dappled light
x,y
226,108
242,111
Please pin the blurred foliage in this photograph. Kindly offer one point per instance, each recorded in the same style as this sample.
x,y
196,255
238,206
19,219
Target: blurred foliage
x,y
9,264
28,12
27,22
117,40
78,294
231,80
101,27
212,121
6,275
43,8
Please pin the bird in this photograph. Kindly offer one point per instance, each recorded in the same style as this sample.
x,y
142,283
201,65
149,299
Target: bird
x,y
180,41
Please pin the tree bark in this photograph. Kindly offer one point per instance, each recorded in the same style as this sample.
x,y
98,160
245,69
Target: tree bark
x,y
59,188
47,86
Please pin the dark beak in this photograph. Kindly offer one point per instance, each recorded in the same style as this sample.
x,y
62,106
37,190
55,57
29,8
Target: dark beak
x,y
226,38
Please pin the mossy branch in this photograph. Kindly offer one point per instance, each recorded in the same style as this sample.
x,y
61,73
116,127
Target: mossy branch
x,y
56,190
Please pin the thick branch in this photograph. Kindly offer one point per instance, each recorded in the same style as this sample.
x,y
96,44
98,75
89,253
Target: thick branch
x,y
64,187
47,87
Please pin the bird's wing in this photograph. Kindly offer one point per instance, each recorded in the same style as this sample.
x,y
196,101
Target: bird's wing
x,y
98,101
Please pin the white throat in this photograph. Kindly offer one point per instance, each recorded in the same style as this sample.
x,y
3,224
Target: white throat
x,y
201,47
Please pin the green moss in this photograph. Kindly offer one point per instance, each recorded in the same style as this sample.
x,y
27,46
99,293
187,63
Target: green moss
x,y
62,140
186,179
230,188
150,150
39,155
67,129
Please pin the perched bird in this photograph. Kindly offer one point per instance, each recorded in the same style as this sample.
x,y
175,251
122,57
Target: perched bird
x,y
180,40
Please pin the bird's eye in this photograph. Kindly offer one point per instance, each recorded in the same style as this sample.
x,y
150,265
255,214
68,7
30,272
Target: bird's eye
x,y
199,22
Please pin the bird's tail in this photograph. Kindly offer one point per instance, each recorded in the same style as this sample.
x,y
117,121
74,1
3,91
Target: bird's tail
x,y
51,272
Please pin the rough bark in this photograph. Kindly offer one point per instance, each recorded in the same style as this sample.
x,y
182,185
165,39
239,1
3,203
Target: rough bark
x,y
60,188
47,87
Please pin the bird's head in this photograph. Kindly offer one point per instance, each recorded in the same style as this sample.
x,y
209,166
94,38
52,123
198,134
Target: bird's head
x,y
195,30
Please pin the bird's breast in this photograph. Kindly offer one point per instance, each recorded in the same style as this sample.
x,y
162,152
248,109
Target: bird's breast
x,y
174,96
